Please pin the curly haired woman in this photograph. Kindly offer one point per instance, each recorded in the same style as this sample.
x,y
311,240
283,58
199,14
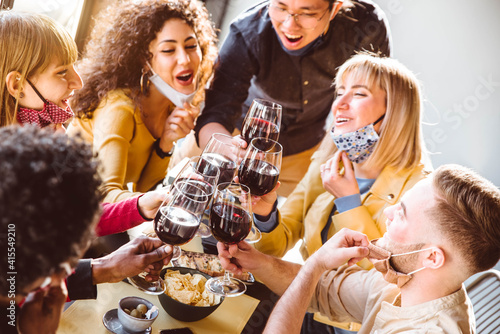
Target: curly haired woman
x,y
144,71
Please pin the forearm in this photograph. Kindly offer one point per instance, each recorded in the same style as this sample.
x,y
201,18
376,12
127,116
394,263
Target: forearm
x,y
119,217
276,274
102,271
288,314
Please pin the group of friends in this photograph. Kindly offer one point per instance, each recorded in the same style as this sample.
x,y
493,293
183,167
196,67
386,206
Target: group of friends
x,y
387,242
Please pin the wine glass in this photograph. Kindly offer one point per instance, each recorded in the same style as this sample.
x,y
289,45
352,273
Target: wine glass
x,y
263,119
260,168
220,153
230,222
205,178
176,223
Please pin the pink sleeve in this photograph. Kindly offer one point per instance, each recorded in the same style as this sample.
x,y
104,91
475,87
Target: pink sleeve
x,y
119,217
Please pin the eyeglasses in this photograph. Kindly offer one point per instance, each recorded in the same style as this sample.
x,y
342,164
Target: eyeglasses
x,y
306,21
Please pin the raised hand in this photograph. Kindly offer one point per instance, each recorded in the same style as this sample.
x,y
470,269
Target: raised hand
x,y
334,181
141,254
177,125
345,246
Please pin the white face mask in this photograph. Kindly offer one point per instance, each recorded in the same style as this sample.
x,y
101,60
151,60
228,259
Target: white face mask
x,y
178,99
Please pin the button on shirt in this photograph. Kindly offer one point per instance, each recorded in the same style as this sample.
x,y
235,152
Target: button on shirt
x,y
252,64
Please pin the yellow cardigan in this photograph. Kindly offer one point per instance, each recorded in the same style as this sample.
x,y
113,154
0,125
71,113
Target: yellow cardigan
x,y
306,211
124,146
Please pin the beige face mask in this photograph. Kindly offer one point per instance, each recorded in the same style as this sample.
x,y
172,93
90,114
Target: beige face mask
x,y
381,261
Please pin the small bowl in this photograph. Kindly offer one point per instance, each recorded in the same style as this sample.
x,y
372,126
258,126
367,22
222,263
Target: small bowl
x,y
133,324
181,311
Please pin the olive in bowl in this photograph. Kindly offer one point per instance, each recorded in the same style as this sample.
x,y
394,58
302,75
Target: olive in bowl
x,y
131,313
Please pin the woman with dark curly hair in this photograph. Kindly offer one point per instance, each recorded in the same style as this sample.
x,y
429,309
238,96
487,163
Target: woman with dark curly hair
x,y
144,71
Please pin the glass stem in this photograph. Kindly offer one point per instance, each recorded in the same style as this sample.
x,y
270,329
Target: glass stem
x,y
227,278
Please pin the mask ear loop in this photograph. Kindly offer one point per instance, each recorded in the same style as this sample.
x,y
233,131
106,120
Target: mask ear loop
x,y
379,119
36,91
412,252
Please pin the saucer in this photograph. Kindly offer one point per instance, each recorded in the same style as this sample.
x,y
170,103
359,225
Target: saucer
x,y
112,324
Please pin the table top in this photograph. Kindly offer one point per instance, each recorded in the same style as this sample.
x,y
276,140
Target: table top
x,y
85,316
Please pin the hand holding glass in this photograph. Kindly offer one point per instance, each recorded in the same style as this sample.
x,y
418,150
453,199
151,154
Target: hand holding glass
x,y
230,222
176,223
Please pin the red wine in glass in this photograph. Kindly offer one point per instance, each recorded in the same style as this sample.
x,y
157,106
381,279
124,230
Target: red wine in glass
x,y
176,223
212,161
262,129
229,224
258,175
175,226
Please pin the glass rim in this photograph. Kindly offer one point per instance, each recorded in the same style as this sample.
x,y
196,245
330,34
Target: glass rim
x,y
199,157
184,193
227,184
268,103
271,150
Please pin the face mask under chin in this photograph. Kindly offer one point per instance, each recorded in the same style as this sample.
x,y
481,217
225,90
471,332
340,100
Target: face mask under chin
x,y
382,261
177,98
359,144
51,113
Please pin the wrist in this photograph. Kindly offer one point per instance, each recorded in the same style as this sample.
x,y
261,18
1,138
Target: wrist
x,y
144,216
163,150
314,266
100,272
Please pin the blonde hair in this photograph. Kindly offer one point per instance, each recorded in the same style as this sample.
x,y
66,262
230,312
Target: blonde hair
x,y
401,142
30,43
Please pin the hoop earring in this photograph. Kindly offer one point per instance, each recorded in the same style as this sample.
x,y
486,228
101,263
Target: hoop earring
x,y
144,83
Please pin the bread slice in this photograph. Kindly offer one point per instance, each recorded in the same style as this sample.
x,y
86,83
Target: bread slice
x,y
207,263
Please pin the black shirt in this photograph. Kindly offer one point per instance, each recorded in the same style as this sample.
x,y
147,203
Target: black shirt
x,y
252,64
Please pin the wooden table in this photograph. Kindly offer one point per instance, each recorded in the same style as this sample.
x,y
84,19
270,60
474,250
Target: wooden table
x,y
85,316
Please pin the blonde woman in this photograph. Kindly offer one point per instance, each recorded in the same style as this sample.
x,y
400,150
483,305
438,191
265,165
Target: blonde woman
x,y
142,68
37,70
372,155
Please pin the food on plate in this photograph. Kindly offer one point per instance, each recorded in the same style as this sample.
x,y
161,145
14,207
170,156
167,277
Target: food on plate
x,y
207,263
189,289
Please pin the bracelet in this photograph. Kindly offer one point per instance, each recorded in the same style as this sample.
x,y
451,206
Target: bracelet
x,y
160,152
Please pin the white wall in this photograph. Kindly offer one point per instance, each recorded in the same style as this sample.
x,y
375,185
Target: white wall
x,y
454,48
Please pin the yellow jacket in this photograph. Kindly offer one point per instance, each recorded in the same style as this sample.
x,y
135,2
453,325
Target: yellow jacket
x,y
124,146
306,211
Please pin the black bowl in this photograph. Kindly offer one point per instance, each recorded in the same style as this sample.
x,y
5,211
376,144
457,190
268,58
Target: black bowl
x,y
181,311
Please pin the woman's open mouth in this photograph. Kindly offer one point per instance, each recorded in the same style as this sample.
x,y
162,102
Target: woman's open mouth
x,y
185,78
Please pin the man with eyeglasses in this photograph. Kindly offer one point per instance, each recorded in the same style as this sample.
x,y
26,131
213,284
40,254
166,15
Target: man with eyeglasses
x,y
287,51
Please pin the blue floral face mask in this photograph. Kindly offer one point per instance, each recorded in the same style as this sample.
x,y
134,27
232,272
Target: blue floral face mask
x,y
359,144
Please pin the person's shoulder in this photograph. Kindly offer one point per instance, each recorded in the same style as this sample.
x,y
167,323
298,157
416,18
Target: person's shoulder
x,y
117,108
253,20
118,100
362,11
